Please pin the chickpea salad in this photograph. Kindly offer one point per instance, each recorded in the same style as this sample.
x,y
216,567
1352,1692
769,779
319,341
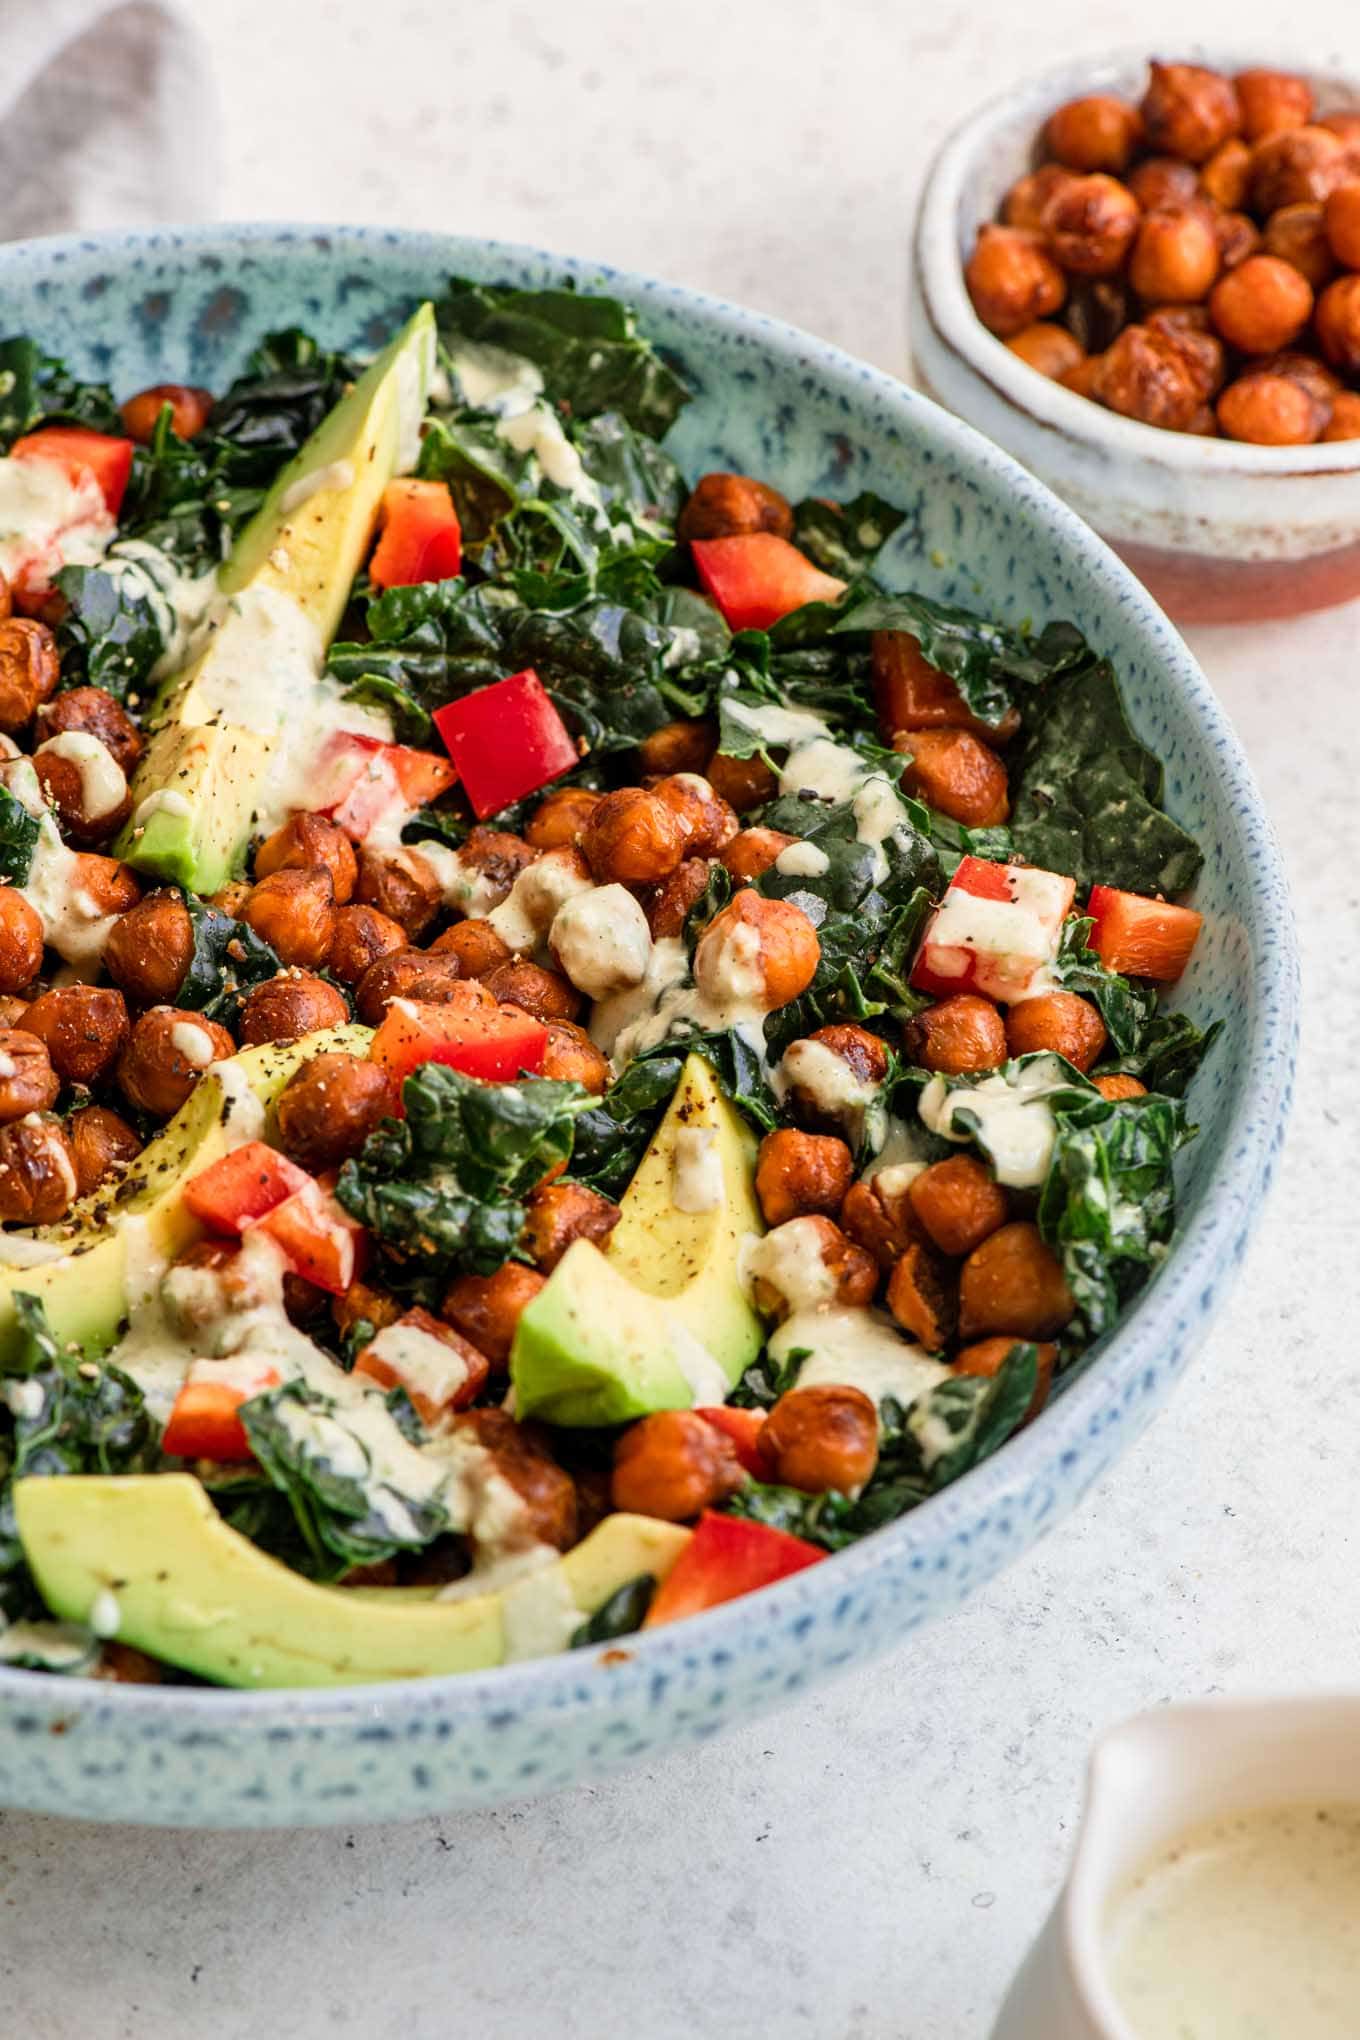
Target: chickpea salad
x,y
567,1052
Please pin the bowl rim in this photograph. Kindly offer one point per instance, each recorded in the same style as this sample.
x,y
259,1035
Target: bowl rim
x,y
945,299
575,1683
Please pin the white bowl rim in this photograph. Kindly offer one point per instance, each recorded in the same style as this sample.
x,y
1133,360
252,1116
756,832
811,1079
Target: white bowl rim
x,y
574,1683
944,294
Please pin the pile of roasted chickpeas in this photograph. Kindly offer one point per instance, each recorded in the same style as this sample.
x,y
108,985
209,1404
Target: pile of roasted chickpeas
x,y
1192,261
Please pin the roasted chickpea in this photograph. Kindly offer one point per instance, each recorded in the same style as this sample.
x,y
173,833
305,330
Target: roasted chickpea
x,y
822,1438
670,903
1013,1283
1160,181
957,1035
476,945
957,1204
84,1028
29,668
150,947
1237,236
328,1109
165,1056
1297,234
987,1356
1189,111
362,1304
6,598
672,1465
12,1010
726,506
1201,351
1175,257
801,1172
1300,166
37,1171
572,1057
544,993
402,885
305,842
1345,122
1119,1086
361,936
1342,225
742,782
1061,1022
1095,132
558,1214
633,838
231,897
1338,324
757,950
431,976
85,786
521,1455
1023,205
110,887
1146,375
189,409
28,1082
93,712
956,773
102,1143
1262,305
1315,375
560,817
1271,410
865,1057
1049,349
486,1308
808,1262
289,1006
497,857
294,912
1012,280
684,746
753,851
911,694
922,1295
1271,101
877,1215
1344,422
706,818
1090,224
1226,177
21,941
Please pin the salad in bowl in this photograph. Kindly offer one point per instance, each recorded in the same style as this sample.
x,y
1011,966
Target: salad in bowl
x,y
566,1053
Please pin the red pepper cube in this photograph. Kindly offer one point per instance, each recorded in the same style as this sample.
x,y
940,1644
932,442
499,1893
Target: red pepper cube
x,y
506,740
205,1421
242,1186
755,578
421,538
724,1558
76,447
318,1240
486,1042
997,927
1142,937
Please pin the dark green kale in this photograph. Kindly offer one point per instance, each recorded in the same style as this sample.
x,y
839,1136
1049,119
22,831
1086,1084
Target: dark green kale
x,y
612,1134
1108,1204
228,958
621,1615
19,832
284,391
435,641
115,627
38,389
993,668
587,349
1163,1050
442,1188
305,1448
845,538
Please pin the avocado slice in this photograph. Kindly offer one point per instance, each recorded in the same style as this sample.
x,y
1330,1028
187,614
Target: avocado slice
x,y
220,722
97,1257
662,1320
196,1594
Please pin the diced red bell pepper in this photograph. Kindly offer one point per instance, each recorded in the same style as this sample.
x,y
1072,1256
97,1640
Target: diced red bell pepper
x,y
1142,937
421,539
434,1385
724,1558
361,781
755,578
743,1428
232,1193
506,740
996,928
481,1041
75,447
911,694
205,1421
318,1240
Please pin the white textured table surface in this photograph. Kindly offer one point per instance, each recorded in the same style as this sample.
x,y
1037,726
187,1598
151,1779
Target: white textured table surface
x,y
871,1863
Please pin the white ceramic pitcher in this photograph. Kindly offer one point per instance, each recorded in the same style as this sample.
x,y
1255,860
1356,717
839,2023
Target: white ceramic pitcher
x,y
1149,1780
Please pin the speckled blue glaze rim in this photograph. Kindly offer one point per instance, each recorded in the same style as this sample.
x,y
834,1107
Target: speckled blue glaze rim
x,y
217,1758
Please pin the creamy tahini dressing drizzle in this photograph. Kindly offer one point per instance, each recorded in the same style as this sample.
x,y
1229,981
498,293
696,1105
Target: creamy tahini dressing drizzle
x,y
1015,1124
666,1002
855,1348
49,520
696,1170
73,923
102,783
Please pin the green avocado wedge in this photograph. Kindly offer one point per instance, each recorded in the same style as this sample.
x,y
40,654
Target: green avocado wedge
x,y
196,1594
93,1263
286,581
662,1319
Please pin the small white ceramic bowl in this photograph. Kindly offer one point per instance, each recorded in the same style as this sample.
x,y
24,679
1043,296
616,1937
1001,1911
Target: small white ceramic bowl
x,y
1217,530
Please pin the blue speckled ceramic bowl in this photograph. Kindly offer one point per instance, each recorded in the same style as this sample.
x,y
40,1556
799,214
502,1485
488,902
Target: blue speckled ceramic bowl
x,y
186,307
